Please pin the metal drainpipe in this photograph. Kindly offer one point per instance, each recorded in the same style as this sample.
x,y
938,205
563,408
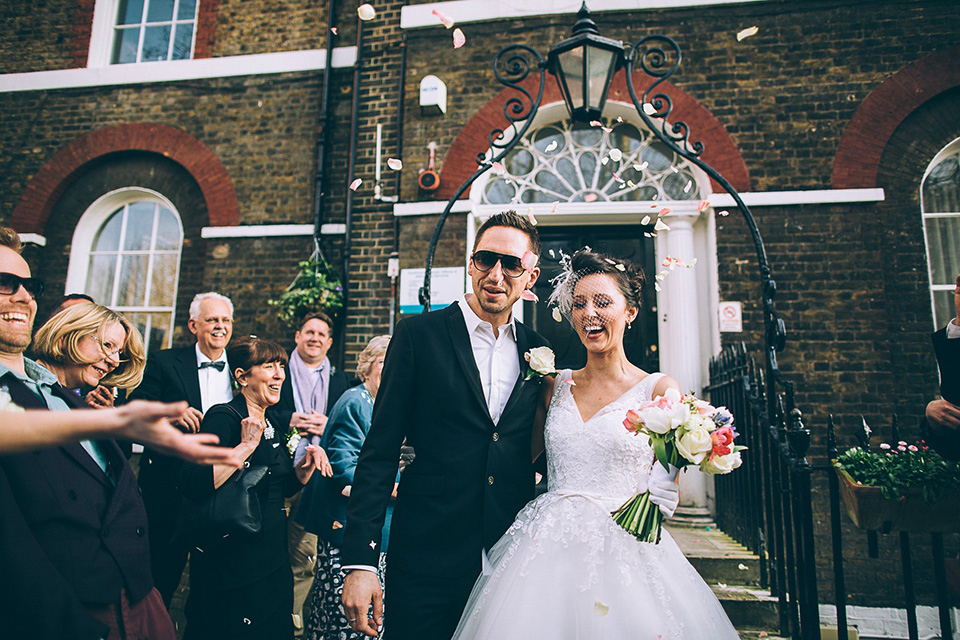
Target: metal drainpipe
x,y
396,221
319,177
354,126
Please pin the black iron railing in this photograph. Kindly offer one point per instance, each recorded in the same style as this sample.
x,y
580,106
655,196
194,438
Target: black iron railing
x,y
766,504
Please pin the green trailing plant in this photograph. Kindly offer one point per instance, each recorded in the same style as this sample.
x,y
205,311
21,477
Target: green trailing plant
x,y
898,469
315,288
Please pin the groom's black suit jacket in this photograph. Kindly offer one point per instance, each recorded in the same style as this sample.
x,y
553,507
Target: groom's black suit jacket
x,y
470,476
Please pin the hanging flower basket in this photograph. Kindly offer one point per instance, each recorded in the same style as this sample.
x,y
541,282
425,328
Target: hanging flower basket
x,y
316,288
870,510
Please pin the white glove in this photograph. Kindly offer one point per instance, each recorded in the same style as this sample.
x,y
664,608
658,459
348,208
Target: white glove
x,y
663,488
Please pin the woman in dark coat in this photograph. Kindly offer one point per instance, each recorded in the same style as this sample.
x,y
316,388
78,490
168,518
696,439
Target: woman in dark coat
x,y
243,588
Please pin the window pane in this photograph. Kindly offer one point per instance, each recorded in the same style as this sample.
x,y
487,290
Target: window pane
x,y
156,42
586,135
626,137
182,41
164,280
548,140
153,327
941,188
125,44
944,308
187,10
499,192
168,231
680,186
130,12
139,226
133,281
550,182
108,238
100,278
943,249
657,156
160,10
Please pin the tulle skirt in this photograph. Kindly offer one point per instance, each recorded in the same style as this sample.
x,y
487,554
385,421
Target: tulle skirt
x,y
565,570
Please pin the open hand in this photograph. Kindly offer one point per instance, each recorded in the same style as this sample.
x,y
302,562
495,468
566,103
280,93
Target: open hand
x,y
361,588
315,459
189,420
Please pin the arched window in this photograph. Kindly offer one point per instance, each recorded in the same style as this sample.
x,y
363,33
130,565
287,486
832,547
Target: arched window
x,y
940,207
126,255
574,162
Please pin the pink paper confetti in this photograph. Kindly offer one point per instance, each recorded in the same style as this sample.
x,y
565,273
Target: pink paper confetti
x,y
395,164
356,183
531,217
366,12
590,197
616,155
555,205
663,212
529,295
444,18
498,168
746,33
458,38
703,205
333,30
529,261
570,382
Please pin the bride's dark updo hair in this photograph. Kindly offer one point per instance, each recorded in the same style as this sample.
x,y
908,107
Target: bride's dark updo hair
x,y
629,277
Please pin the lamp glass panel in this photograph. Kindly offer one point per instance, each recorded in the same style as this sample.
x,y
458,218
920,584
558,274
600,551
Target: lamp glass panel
x,y
571,64
598,70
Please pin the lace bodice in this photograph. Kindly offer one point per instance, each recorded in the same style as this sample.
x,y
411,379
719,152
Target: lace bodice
x,y
598,457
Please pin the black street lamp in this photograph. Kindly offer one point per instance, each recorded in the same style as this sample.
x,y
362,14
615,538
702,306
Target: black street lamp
x,y
584,66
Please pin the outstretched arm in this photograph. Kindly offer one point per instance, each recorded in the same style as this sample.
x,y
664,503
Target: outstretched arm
x,y
140,421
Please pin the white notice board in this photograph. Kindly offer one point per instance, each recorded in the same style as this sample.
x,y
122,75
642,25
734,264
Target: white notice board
x,y
447,285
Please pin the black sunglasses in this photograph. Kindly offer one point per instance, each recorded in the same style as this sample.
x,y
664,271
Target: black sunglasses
x,y
486,260
10,283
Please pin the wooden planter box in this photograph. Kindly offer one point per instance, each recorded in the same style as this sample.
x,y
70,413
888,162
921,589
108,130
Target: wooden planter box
x,y
869,510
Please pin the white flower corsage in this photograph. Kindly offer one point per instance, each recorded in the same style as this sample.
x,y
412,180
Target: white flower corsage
x,y
293,440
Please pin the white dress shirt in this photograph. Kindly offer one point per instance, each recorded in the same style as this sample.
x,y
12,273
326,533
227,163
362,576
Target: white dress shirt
x,y
953,331
215,387
496,358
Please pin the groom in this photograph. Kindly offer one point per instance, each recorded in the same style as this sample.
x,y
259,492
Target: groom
x,y
453,386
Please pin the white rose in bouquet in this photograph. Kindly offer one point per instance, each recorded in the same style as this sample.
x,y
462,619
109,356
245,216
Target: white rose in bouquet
x,y
721,464
694,444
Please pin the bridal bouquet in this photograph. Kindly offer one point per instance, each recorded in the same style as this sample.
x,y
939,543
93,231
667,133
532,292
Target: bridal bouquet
x,y
683,431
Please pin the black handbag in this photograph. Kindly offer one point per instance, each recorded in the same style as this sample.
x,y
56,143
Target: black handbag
x,y
233,510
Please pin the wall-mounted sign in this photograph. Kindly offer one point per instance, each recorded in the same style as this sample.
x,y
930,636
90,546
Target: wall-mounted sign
x,y
446,287
731,317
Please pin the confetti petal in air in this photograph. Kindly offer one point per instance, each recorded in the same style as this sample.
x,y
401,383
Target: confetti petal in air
x,y
645,221
640,167
746,33
395,164
529,261
552,146
333,30
458,38
337,525
663,212
616,155
621,267
556,315
570,382
600,609
688,186
366,12
597,123
444,18
703,205
355,184
552,253
498,168
660,226
529,295
554,209
649,109
531,217
724,213
604,160
590,197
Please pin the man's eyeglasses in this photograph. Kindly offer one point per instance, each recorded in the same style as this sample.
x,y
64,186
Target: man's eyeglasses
x,y
10,284
486,260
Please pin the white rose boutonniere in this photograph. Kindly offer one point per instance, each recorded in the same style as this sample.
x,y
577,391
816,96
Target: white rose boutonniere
x,y
541,363
293,439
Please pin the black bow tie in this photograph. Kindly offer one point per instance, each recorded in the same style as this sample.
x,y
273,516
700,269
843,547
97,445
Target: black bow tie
x,y
218,365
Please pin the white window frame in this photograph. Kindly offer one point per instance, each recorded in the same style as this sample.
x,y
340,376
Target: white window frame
x,y
86,232
951,149
102,33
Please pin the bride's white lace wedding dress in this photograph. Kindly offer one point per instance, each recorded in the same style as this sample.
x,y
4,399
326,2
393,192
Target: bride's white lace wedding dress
x,y
565,570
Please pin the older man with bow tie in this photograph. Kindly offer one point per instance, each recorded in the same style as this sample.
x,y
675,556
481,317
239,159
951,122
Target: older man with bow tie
x,y
198,374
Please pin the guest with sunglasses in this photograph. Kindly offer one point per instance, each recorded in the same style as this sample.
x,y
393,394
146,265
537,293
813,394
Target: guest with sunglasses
x,y
73,531
453,387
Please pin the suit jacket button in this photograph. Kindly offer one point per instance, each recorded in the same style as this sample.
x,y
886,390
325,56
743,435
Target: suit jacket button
x,y
141,531
72,494
496,436
490,480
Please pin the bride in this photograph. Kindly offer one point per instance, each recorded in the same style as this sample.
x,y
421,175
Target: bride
x,y
565,569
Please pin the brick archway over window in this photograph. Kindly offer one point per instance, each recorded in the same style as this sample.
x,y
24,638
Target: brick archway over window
x,y
720,151
48,185
866,136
